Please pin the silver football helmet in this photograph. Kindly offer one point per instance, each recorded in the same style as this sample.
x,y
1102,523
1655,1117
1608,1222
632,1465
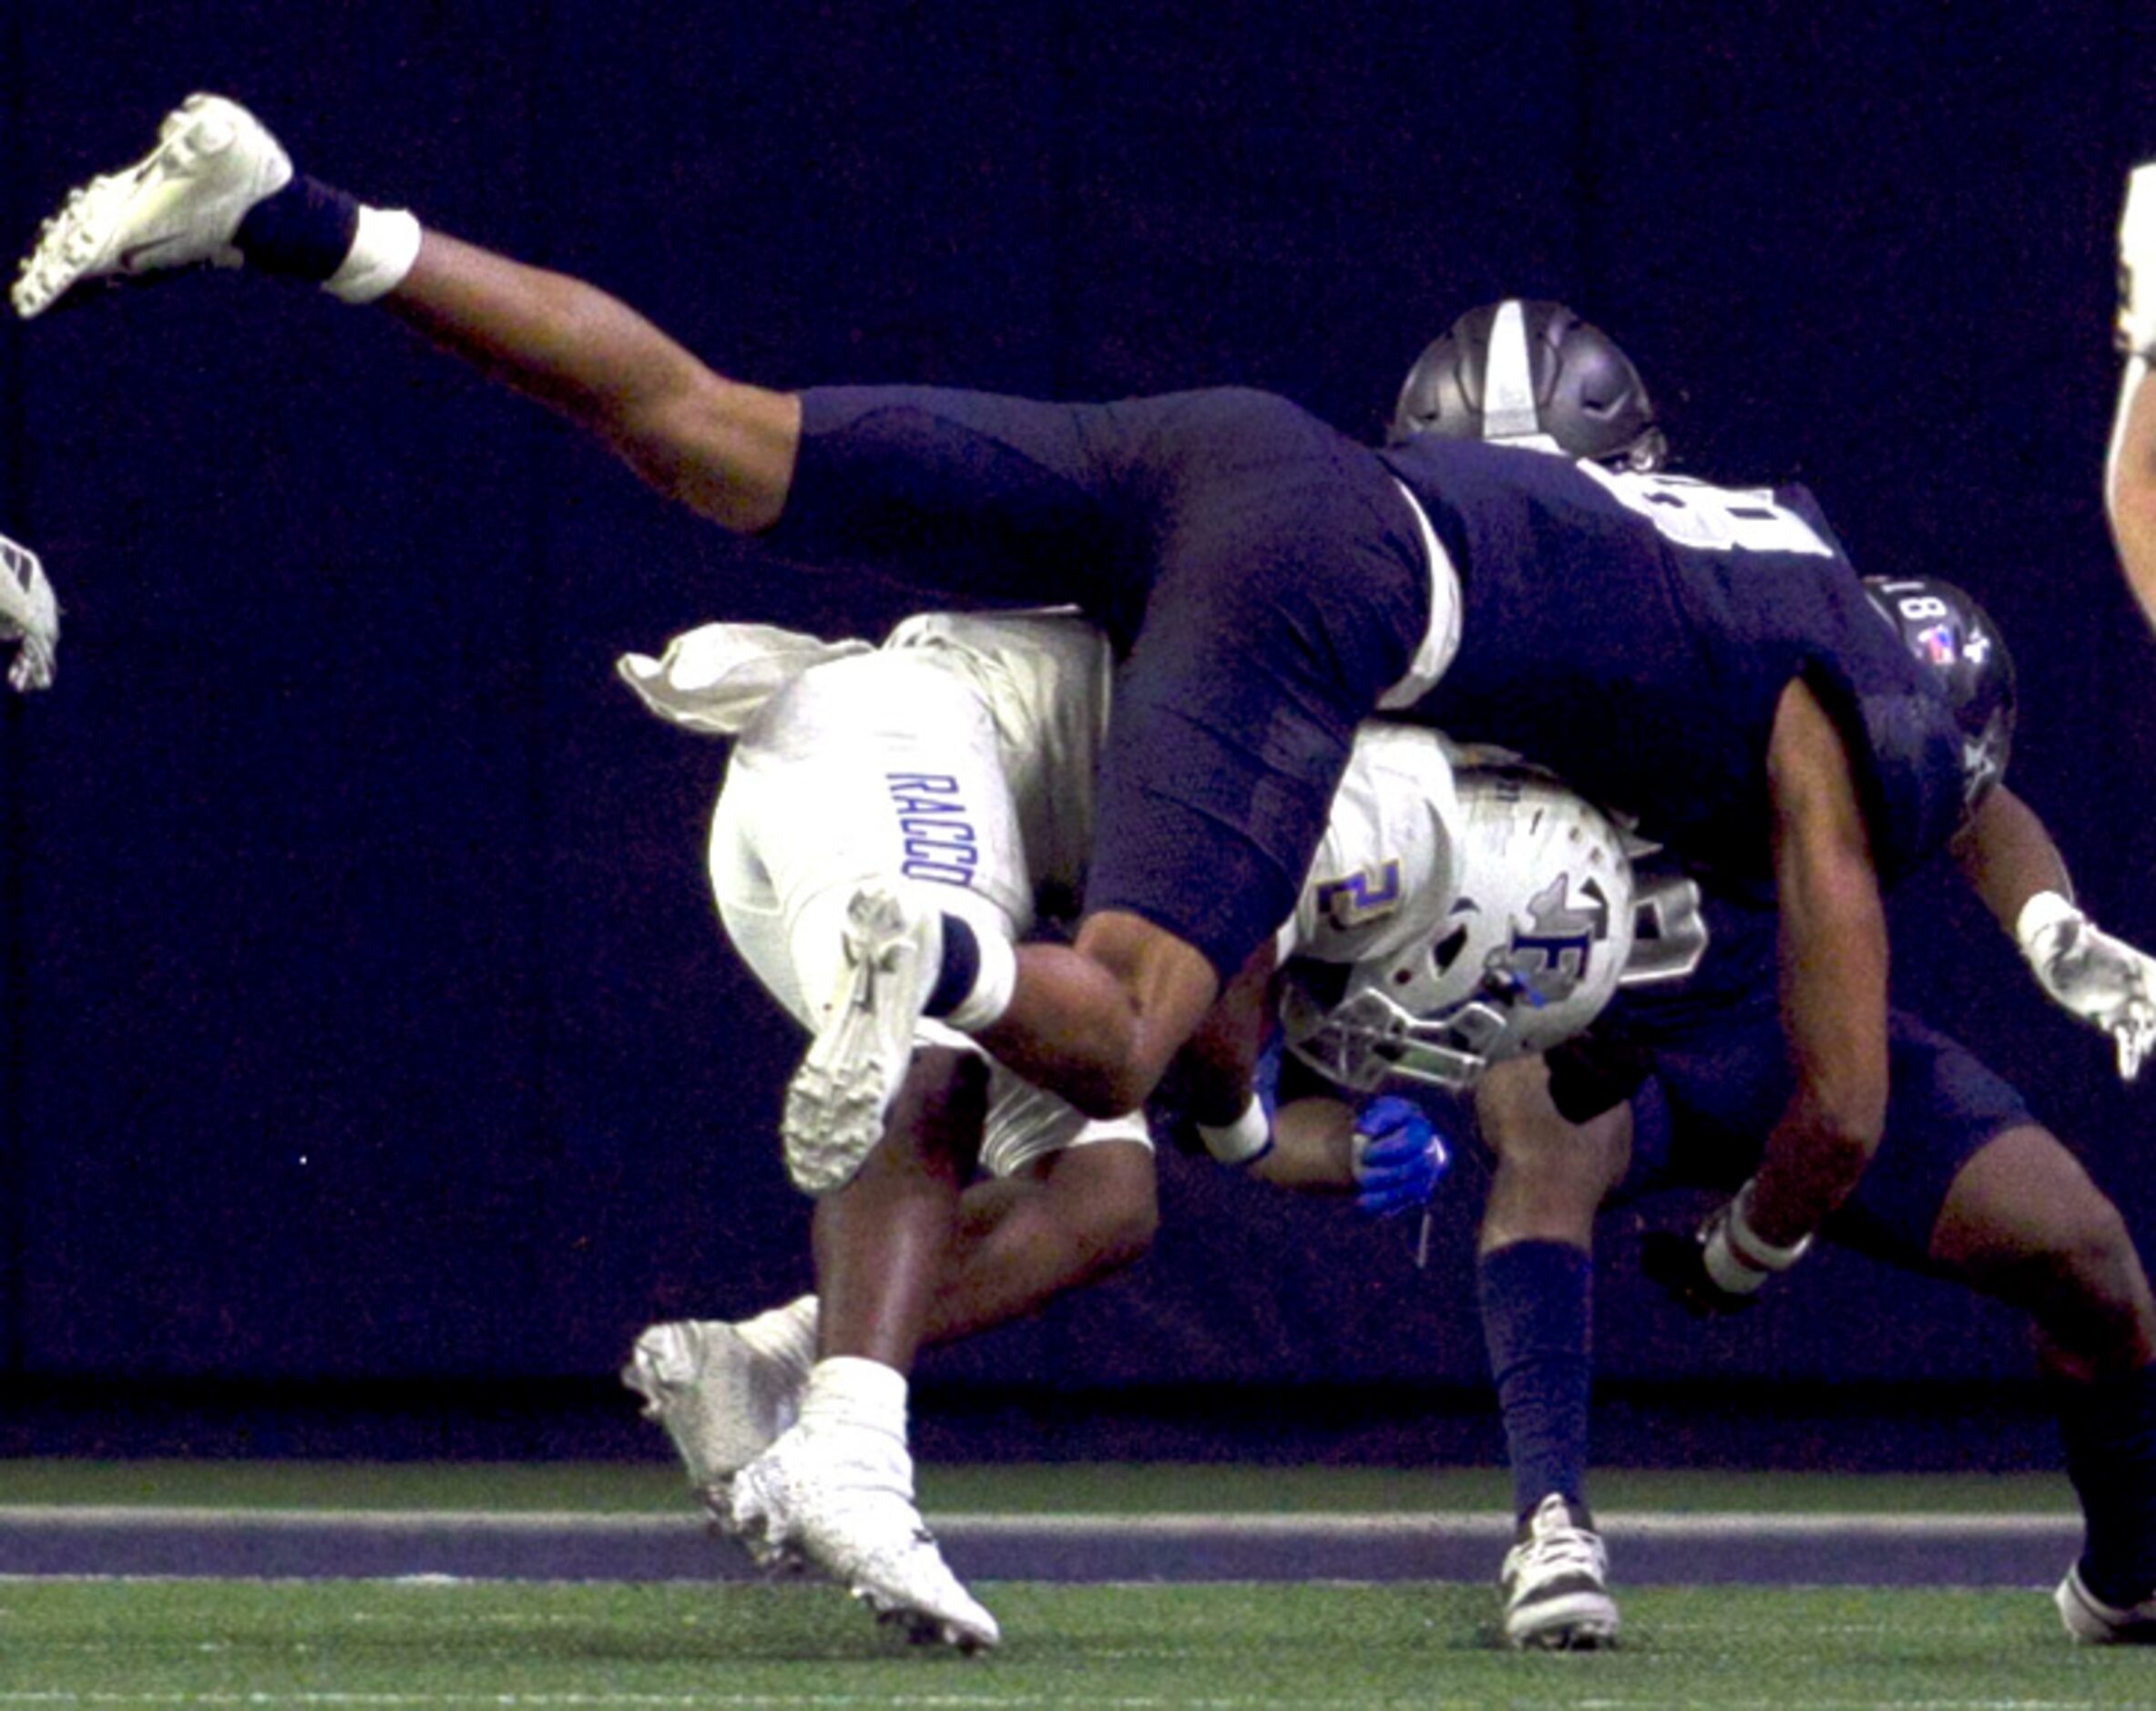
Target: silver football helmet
x,y
1531,374
1527,955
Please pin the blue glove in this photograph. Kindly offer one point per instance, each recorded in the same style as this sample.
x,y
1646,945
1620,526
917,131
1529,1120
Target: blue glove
x,y
1399,1157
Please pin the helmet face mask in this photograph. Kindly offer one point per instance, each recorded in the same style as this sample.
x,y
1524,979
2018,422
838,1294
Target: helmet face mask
x,y
1529,951
1533,374
1954,640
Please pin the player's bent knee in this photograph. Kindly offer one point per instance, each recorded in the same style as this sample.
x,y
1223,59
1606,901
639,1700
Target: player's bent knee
x,y
1105,1199
2094,1258
1125,1234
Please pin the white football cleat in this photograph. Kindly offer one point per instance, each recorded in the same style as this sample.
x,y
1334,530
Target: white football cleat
x,y
177,207
720,1402
1555,1581
842,1502
837,1100
2091,1622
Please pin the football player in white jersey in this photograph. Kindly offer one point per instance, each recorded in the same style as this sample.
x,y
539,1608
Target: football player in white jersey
x,y
959,755
956,759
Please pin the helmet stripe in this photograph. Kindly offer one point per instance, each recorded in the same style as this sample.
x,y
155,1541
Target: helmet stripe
x,y
1508,378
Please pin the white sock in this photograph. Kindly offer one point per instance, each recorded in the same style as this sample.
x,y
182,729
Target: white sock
x,y
993,986
847,1392
383,248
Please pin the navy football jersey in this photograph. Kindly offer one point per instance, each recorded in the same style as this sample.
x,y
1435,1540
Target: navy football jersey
x,y
1635,632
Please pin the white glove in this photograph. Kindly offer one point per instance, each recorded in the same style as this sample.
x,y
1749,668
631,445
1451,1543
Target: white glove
x,y
29,616
2099,978
2137,263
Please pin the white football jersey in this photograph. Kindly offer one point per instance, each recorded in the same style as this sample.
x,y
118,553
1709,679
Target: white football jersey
x,y
1045,676
958,758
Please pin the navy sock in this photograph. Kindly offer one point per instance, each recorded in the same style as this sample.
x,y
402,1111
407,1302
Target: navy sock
x,y
1538,1315
962,967
2108,1428
303,231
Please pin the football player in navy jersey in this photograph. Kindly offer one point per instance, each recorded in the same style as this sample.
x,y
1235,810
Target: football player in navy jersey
x,y
1681,1076
1676,1085
1270,581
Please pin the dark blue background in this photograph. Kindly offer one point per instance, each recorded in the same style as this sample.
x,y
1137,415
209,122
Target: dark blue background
x,y
365,1016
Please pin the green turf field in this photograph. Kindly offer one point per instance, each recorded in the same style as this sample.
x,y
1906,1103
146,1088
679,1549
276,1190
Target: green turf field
x,y
416,1644
1021,1488
390,1644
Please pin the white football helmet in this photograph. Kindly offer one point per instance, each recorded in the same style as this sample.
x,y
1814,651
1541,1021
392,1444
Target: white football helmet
x,y
1527,955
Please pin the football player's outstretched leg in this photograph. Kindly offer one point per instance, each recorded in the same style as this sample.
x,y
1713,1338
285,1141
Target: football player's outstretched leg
x,y
1096,1021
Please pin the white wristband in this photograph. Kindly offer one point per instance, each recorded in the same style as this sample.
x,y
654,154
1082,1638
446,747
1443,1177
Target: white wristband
x,y
2039,916
1247,1139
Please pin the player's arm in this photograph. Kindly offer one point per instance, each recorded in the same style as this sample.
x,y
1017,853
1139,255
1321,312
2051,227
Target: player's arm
x,y
1216,1075
1384,1151
2007,855
2130,482
1833,1014
2130,468
1834,982
1312,1147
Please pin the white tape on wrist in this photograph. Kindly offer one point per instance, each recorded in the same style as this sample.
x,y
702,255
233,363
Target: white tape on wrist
x,y
1730,1275
1246,1139
1739,1258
